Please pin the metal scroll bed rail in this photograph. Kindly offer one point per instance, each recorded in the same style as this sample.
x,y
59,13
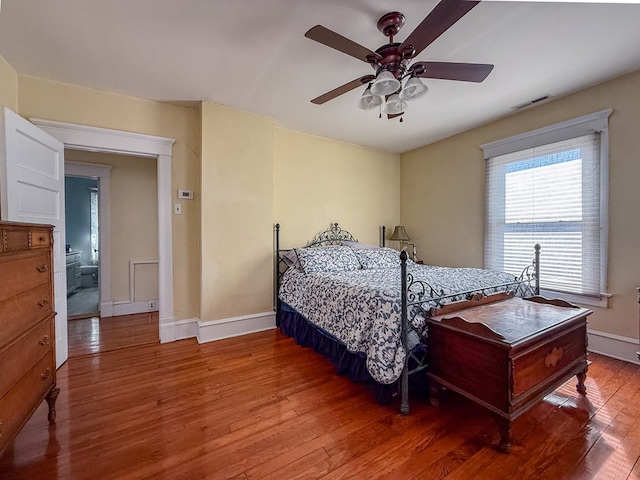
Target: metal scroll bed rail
x,y
420,297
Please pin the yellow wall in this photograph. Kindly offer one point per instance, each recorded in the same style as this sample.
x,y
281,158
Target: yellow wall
x,y
50,100
243,173
255,174
318,182
134,220
442,187
8,85
237,209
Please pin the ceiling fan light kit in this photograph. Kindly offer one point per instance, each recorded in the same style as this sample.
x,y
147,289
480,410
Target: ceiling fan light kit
x,y
394,105
413,89
369,101
392,61
385,84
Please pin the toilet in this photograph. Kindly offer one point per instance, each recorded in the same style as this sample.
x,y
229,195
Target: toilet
x,y
88,275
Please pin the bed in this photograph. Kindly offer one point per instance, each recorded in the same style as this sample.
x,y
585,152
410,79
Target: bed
x,y
364,307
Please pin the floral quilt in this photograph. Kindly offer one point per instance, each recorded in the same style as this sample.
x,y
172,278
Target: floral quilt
x,y
362,308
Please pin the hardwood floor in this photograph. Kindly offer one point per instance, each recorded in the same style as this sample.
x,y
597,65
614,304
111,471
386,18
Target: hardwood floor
x,y
96,335
261,407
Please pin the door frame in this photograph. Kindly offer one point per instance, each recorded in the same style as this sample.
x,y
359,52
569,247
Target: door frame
x,y
94,139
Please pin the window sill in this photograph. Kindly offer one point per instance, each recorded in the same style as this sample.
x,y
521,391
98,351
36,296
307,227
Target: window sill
x,y
602,302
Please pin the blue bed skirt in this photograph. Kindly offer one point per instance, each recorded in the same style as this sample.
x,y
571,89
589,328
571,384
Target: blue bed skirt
x,y
351,365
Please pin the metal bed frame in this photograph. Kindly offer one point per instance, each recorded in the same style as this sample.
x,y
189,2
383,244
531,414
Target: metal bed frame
x,y
417,295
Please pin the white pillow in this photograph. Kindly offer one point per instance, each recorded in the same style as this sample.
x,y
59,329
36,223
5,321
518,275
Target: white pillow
x,y
379,258
334,258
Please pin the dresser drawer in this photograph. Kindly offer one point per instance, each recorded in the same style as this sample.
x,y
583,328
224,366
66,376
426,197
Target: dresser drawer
x,y
19,273
41,238
25,238
21,312
22,355
545,362
17,405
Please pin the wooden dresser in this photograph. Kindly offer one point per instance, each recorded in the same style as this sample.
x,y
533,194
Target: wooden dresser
x,y
27,329
507,355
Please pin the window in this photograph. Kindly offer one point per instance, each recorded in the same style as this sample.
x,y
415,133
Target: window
x,y
549,187
94,234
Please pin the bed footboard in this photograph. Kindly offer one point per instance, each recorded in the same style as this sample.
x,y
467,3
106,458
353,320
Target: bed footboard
x,y
422,297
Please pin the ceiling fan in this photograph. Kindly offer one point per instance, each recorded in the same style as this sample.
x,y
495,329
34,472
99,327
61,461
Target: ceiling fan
x,y
392,62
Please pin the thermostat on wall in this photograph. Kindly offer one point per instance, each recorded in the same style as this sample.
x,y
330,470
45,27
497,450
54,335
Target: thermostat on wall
x,y
185,194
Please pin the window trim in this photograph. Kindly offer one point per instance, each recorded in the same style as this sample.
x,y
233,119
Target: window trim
x,y
594,122
584,125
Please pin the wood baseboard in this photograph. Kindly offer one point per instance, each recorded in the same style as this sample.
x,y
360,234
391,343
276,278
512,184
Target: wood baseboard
x,y
210,331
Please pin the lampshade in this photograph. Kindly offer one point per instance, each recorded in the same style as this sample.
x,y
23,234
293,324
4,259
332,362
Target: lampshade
x,y
399,234
385,84
368,100
413,88
394,105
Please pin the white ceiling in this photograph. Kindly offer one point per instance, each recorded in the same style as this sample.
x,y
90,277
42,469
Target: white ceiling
x,y
252,55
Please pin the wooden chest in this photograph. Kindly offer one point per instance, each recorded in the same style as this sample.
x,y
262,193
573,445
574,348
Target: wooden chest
x,y
27,329
508,354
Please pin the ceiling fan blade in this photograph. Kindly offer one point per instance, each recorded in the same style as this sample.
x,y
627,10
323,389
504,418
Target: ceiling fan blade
x,y
441,18
347,87
334,40
465,72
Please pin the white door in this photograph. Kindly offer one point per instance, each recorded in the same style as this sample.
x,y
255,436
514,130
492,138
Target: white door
x,y
32,190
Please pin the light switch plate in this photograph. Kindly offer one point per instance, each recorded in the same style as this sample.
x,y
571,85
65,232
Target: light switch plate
x,y
177,209
185,194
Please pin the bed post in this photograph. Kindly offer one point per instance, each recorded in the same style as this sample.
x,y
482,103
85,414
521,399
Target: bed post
x,y
276,270
384,229
537,268
404,379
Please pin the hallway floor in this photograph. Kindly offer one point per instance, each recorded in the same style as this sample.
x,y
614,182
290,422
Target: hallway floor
x,y
84,301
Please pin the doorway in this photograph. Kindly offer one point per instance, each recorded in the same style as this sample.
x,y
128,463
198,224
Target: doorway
x,y
82,233
127,230
80,137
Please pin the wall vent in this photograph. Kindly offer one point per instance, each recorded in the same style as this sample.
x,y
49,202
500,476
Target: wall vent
x,y
531,102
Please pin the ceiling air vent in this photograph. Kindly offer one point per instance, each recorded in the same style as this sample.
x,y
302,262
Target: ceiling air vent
x,y
531,102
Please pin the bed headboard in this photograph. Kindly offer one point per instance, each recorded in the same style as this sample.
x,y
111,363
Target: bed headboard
x,y
334,235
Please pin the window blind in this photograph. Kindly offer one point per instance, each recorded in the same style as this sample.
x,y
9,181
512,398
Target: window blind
x,y
551,195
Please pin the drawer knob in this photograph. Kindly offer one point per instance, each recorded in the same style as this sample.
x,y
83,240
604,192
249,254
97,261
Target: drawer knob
x,y
45,340
553,357
41,238
41,268
46,374
43,303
